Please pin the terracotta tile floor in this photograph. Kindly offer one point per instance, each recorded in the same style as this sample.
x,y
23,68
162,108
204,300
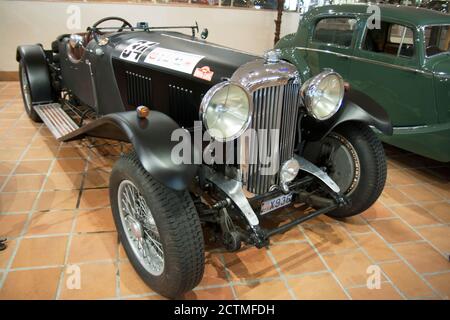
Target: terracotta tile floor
x,y
54,208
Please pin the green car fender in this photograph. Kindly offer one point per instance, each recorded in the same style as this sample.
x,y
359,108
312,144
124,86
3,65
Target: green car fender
x,y
289,54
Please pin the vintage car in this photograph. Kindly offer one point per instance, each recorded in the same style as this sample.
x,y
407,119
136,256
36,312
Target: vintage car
x,y
180,102
403,64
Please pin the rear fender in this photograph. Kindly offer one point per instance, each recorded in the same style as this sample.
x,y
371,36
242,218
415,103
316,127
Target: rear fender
x,y
33,59
151,139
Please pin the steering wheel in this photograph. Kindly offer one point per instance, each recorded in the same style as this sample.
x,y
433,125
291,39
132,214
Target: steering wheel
x,y
95,32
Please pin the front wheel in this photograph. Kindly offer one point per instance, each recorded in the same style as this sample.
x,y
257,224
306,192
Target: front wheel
x,y
354,158
159,228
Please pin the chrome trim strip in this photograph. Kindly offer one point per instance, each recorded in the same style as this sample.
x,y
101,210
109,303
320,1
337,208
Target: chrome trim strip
x,y
410,128
367,60
258,74
442,75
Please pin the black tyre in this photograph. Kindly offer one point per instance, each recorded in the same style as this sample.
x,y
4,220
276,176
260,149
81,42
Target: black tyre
x,y
26,93
158,227
354,158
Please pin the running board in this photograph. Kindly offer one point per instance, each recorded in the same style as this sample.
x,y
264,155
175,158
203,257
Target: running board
x,y
56,119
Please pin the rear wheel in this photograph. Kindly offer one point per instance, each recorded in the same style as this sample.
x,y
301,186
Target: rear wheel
x,y
159,228
26,93
354,158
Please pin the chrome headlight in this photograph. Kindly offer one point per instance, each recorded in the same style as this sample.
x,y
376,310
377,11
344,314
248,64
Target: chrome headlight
x,y
323,94
289,170
226,111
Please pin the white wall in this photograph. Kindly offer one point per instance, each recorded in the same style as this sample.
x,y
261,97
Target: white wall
x,y
29,22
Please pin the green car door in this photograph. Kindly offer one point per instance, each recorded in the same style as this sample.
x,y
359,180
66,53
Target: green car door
x,y
387,66
331,41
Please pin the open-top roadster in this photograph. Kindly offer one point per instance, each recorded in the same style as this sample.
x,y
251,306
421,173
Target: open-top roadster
x,y
219,137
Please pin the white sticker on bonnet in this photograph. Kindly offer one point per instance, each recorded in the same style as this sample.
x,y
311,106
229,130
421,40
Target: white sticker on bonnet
x,y
173,59
135,50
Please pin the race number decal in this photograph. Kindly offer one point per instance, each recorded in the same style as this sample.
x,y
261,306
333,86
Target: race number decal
x,y
135,50
172,59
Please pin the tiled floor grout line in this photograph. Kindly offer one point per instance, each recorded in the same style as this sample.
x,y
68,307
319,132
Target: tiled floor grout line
x,y
117,263
52,158
54,235
324,262
7,104
338,251
57,210
437,225
81,263
71,233
433,214
443,254
390,246
282,276
24,151
30,213
228,276
240,282
364,286
373,262
418,203
51,190
287,242
419,183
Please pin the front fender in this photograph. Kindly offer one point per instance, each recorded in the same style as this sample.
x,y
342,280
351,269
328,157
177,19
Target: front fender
x,y
356,106
151,139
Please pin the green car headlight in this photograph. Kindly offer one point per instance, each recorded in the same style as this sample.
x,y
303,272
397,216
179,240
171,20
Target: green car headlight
x,y
226,111
323,94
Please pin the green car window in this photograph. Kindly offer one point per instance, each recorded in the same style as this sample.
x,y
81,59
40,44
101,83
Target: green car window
x,y
391,39
437,39
338,31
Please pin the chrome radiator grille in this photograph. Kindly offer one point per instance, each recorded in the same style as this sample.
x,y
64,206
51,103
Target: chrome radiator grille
x,y
273,108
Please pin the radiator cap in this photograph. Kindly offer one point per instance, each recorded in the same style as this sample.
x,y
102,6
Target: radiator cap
x,y
272,56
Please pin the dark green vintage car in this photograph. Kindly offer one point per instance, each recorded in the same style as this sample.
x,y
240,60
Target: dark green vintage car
x,y
403,64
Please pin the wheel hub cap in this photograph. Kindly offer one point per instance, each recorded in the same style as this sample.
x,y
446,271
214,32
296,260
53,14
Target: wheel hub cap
x,y
135,228
343,163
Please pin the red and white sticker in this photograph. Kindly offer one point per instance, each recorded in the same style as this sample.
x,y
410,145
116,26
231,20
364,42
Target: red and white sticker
x,y
173,59
204,73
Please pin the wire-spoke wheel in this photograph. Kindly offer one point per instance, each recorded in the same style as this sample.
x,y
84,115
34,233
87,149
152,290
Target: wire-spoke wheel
x,y
158,227
140,228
